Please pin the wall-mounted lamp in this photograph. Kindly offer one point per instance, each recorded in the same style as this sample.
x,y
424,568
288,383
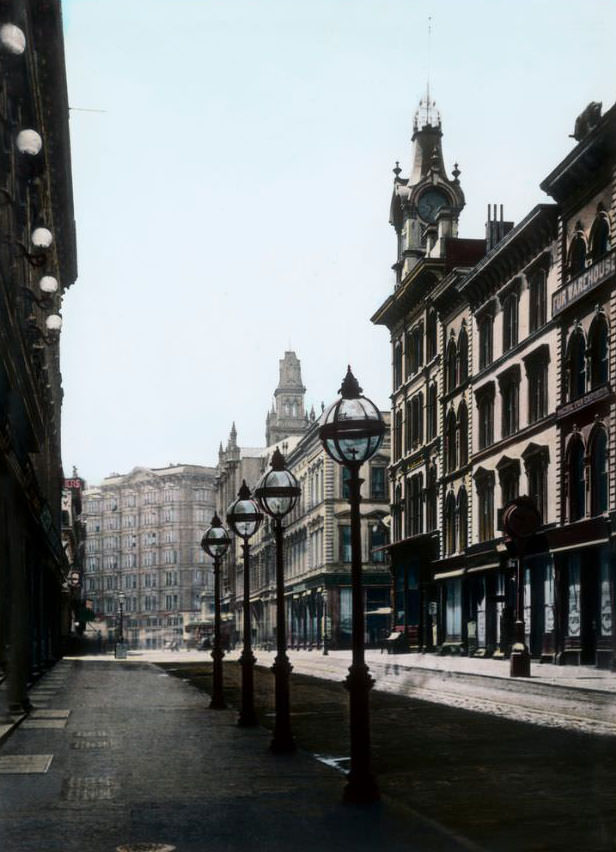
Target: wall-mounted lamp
x,y
12,40
41,239
29,142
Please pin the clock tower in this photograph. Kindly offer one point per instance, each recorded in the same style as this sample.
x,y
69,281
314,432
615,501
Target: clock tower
x,y
425,206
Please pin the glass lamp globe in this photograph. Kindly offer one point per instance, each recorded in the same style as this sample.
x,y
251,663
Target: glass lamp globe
x,y
48,284
12,39
216,539
352,428
41,238
243,515
278,489
29,142
53,322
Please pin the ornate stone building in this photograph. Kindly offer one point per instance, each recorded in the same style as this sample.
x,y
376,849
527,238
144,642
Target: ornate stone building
x,y
317,533
425,323
514,354
37,265
287,416
143,541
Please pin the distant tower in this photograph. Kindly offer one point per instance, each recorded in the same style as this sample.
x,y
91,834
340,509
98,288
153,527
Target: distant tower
x,y
287,416
425,206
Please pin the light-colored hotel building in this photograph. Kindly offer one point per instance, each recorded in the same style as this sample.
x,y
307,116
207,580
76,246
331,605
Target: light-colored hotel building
x,y
143,542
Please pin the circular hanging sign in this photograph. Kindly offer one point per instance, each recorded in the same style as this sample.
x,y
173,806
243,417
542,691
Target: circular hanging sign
x,y
521,518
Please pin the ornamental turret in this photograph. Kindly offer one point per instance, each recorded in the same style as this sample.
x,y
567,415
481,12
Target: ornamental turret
x,y
425,207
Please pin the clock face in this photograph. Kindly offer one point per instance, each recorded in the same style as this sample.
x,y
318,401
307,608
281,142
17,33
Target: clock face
x,y
430,202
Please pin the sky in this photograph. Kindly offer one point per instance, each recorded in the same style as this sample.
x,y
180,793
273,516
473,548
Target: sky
x,y
232,178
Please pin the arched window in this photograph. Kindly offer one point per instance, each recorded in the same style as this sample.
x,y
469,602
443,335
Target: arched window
x,y
397,364
577,253
575,470
398,434
432,412
576,364
599,476
431,495
450,442
397,513
431,334
462,355
463,433
599,236
451,365
409,426
597,344
450,524
462,519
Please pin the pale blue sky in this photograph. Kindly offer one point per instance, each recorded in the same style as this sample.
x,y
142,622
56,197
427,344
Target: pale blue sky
x,y
232,199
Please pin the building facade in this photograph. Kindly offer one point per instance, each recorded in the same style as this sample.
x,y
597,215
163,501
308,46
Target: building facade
x,y
524,360
144,533
37,265
317,544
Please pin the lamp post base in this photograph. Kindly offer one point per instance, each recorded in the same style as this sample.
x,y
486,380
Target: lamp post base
x,y
248,716
361,790
520,658
282,740
519,662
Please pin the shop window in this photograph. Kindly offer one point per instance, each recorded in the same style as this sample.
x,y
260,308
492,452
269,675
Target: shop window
x,y
537,301
576,483
599,476
510,321
597,344
576,365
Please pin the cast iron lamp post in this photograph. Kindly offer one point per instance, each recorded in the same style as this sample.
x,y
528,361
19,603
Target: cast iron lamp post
x,y
244,518
521,520
216,542
352,431
277,493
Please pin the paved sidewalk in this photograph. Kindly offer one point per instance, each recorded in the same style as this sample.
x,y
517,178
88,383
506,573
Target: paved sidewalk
x,y
120,752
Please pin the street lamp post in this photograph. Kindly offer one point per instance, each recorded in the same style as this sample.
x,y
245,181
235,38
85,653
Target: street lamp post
x,y
352,430
521,520
215,543
244,518
277,493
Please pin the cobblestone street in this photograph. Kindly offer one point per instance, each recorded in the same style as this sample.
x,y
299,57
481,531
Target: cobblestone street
x,y
502,783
